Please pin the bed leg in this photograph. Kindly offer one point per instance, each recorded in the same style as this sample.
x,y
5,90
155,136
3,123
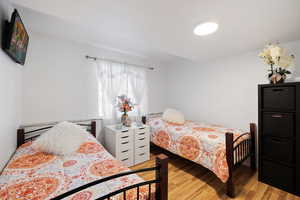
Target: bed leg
x,y
230,188
93,129
162,176
230,162
253,144
20,137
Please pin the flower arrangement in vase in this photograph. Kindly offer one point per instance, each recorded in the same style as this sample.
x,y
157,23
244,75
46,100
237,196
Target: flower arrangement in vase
x,y
125,105
279,61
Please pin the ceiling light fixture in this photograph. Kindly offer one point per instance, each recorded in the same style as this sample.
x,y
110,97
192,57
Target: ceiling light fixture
x,y
206,28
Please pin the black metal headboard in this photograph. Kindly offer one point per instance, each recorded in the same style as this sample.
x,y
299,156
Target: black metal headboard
x,y
25,136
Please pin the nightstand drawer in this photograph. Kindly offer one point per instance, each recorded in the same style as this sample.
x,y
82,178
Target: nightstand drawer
x,y
126,157
124,133
128,162
125,138
125,145
142,130
142,149
142,141
141,135
142,157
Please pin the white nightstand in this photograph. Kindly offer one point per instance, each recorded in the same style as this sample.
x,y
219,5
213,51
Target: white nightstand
x,y
131,145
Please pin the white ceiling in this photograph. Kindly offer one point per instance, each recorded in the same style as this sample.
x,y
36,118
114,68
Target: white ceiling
x,y
161,29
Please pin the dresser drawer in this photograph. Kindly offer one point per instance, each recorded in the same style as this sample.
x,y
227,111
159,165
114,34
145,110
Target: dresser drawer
x,y
142,141
298,167
278,124
142,130
278,175
124,133
279,98
126,157
281,150
125,145
125,138
142,149
142,157
141,135
128,162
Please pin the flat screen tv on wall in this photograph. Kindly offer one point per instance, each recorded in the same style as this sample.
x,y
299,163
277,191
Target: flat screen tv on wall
x,y
16,39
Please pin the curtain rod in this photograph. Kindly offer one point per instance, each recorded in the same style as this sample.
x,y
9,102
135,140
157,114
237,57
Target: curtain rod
x,y
95,58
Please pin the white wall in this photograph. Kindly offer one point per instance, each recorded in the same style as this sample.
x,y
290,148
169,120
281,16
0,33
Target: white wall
x,y
224,91
10,96
59,83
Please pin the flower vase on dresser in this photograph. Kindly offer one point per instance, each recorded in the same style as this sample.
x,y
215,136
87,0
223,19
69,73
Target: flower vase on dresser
x,y
125,105
279,61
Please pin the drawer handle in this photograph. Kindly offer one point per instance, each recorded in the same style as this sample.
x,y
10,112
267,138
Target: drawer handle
x,y
125,137
142,146
277,116
142,139
124,142
278,90
141,154
124,131
277,140
125,151
141,133
124,159
142,128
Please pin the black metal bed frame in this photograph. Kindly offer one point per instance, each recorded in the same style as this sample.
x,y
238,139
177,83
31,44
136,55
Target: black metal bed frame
x,y
161,181
161,170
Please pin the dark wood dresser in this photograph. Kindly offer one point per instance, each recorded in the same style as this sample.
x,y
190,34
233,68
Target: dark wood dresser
x,y
279,135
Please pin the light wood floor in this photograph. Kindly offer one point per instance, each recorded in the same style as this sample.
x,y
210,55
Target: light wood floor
x,y
189,181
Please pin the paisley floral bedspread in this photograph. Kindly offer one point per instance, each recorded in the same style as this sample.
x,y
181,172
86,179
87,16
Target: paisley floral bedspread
x,y
199,142
32,175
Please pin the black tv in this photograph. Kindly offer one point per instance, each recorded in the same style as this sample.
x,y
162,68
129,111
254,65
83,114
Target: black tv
x,y
16,39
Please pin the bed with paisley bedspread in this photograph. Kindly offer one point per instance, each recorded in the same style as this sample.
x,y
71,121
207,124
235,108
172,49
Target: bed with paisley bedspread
x,y
215,147
37,176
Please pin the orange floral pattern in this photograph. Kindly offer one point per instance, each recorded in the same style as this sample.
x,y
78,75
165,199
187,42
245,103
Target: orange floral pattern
x,y
69,163
205,129
190,151
32,160
162,139
90,147
37,189
106,168
33,175
174,124
200,142
85,195
212,136
220,165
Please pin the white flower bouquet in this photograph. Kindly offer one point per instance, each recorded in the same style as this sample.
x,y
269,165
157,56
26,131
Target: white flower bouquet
x,y
279,60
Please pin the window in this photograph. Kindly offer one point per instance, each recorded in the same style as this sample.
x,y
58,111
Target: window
x,y
116,79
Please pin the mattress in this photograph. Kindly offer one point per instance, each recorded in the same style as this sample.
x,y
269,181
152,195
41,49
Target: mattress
x,y
37,176
201,143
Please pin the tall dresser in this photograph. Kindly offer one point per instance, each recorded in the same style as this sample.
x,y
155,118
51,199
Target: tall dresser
x,y
279,135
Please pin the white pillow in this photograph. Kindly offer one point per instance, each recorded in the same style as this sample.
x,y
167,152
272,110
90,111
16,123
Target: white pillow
x,y
62,139
173,116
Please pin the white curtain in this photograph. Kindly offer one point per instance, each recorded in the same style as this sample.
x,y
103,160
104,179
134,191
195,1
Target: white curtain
x,y
115,79
138,81
110,80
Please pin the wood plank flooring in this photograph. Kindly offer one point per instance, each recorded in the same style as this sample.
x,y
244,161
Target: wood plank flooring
x,y
189,181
